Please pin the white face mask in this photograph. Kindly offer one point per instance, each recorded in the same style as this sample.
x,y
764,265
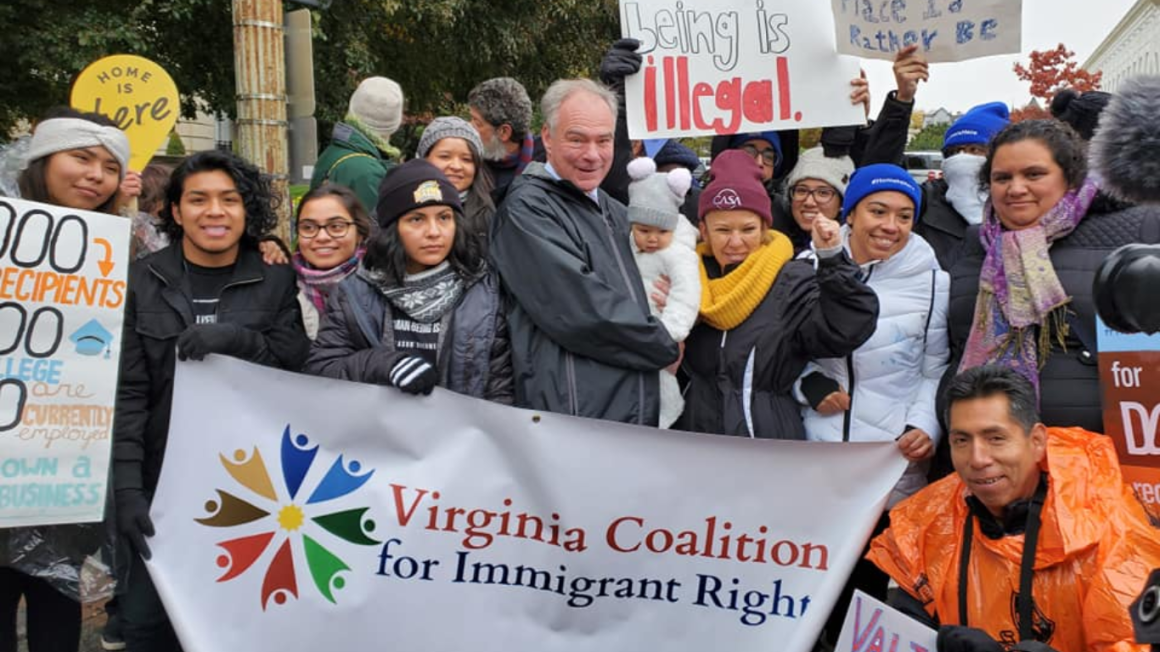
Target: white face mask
x,y
962,174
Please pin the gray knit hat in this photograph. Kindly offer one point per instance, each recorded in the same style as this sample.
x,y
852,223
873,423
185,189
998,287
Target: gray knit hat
x,y
654,199
378,104
814,164
449,127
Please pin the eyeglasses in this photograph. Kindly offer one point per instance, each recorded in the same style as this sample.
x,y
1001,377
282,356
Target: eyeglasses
x,y
768,156
308,230
820,195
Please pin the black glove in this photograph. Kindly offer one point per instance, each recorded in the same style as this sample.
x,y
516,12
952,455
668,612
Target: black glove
x,y
414,375
838,141
200,340
133,519
620,61
956,638
817,386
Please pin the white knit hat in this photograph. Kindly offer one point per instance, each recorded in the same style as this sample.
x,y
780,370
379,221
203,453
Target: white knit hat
x,y
814,164
378,104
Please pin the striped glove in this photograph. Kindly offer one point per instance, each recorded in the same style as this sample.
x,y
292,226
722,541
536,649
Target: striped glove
x,y
414,375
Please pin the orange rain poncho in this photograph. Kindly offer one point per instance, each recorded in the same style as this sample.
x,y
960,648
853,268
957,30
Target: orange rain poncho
x,y
1096,549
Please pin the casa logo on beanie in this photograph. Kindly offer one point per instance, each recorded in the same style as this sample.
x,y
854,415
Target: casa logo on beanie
x,y
428,191
727,200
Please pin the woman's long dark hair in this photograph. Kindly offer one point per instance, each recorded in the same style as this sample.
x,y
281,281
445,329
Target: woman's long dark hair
x,y
478,207
386,255
33,181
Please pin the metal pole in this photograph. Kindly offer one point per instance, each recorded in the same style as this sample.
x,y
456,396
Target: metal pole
x,y
260,70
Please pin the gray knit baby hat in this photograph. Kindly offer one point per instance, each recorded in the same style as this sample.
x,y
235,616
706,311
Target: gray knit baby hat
x,y
655,198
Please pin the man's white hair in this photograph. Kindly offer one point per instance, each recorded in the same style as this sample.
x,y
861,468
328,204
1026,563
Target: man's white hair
x,y
562,89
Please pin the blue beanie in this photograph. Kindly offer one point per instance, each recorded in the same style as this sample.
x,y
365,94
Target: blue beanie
x,y
880,177
770,137
978,125
674,152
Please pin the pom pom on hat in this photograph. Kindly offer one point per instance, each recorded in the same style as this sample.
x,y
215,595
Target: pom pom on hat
x,y
641,168
1080,110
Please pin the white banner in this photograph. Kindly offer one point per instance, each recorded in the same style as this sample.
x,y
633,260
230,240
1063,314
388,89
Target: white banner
x,y
299,513
944,30
873,626
62,294
735,66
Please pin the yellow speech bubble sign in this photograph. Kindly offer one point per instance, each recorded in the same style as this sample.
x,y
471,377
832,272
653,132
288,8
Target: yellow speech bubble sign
x,y
134,92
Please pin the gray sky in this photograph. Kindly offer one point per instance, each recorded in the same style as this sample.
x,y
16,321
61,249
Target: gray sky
x,y
1081,25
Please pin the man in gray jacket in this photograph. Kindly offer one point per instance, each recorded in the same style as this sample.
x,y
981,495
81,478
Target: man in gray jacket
x,y
582,340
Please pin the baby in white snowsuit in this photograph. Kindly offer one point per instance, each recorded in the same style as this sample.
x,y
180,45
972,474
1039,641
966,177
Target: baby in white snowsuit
x,y
663,242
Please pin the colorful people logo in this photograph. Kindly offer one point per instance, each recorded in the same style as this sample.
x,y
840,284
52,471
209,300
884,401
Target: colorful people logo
x,y
293,519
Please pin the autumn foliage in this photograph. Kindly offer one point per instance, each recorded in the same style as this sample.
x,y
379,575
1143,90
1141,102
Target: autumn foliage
x,y
1030,112
1051,71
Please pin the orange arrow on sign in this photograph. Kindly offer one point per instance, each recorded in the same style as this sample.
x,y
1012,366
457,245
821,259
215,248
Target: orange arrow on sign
x,y
106,263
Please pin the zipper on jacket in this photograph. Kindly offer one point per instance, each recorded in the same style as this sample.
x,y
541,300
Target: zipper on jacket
x,y
570,369
632,292
616,252
848,418
227,286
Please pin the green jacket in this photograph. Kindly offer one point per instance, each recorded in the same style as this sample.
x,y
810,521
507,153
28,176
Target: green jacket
x,y
352,160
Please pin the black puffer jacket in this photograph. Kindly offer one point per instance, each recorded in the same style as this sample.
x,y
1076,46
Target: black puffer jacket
x,y
474,360
261,299
1069,382
583,342
741,381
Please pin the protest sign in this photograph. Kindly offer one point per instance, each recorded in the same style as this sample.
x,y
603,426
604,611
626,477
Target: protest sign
x,y
135,93
302,511
734,66
873,626
62,294
944,30
1129,376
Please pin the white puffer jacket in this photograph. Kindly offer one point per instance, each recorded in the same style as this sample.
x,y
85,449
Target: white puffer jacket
x,y
893,378
680,263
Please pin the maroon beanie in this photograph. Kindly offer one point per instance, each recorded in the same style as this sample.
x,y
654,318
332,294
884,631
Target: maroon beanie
x,y
735,184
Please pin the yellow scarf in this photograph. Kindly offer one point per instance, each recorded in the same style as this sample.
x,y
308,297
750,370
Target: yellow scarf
x,y
728,301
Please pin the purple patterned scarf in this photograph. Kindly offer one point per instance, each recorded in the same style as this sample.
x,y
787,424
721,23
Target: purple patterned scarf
x,y
1019,290
316,283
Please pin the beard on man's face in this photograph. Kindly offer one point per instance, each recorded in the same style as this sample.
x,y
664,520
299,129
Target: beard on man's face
x,y
493,149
